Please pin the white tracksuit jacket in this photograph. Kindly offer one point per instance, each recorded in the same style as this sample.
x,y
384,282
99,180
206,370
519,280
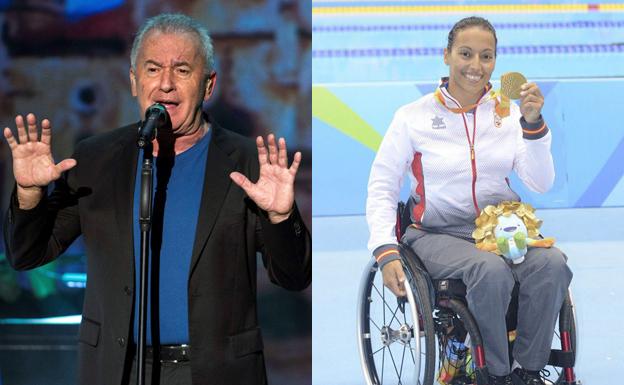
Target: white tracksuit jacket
x,y
449,187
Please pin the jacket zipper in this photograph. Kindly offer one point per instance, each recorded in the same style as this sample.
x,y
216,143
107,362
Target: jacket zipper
x,y
472,154
473,158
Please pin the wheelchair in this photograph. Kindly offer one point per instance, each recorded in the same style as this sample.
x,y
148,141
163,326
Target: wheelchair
x,y
412,339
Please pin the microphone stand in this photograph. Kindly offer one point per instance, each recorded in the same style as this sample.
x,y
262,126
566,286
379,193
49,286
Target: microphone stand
x,y
145,222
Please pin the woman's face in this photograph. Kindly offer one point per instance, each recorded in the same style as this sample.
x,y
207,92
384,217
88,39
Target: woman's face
x,y
471,62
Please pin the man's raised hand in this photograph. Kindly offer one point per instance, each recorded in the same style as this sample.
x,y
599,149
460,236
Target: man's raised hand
x,y
274,191
33,165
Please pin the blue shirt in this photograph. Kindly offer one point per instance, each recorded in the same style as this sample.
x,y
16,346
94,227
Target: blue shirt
x,y
182,196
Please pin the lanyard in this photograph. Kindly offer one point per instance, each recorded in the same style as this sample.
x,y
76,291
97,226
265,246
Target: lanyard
x,y
501,107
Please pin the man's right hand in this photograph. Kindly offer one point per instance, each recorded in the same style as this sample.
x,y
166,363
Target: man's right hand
x,y
33,166
394,278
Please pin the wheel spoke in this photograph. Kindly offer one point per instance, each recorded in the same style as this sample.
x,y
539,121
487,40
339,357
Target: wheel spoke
x,y
402,358
374,324
411,351
383,363
394,315
377,290
394,364
386,305
383,298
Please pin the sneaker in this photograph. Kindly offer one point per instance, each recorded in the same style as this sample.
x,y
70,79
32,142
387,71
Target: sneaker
x,y
500,380
522,376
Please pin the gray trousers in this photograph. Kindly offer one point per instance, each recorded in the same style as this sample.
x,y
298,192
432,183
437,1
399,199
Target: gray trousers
x,y
543,277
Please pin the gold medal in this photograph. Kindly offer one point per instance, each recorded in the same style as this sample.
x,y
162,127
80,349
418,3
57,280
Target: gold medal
x,y
510,84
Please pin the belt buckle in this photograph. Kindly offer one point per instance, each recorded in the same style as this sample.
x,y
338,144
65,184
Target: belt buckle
x,y
183,348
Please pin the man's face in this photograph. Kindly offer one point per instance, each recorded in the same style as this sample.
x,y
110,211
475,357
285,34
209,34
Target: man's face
x,y
170,70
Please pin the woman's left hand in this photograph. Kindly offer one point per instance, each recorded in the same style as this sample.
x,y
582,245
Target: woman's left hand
x,y
531,102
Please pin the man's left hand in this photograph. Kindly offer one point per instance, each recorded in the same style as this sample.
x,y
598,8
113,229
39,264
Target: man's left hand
x,y
531,102
274,191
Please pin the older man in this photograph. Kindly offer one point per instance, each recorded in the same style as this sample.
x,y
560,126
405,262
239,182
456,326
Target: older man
x,y
206,230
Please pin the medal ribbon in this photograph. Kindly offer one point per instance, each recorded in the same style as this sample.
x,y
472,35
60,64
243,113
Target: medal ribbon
x,y
501,107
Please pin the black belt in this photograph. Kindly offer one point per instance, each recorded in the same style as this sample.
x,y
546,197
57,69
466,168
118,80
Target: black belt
x,y
170,353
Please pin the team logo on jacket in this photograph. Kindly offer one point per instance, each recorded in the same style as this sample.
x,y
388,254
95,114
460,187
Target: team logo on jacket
x,y
498,121
437,123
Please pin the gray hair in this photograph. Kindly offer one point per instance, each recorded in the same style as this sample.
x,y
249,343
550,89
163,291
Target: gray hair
x,y
175,23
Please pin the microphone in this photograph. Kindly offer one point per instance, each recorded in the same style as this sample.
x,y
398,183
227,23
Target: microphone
x,y
155,116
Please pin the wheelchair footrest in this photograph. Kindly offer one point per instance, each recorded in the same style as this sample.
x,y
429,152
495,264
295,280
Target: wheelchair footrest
x,y
561,359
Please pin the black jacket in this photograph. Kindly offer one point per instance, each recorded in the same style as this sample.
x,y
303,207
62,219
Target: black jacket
x,y
95,199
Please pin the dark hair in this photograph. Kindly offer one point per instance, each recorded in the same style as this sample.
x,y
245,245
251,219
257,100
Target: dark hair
x,y
472,21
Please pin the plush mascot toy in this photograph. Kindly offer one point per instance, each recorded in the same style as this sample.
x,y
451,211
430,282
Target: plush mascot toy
x,y
508,229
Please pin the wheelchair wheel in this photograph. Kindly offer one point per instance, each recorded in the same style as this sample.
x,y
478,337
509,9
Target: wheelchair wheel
x,y
396,338
554,372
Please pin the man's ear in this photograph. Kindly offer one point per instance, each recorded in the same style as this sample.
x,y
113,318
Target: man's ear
x,y
133,87
211,83
446,54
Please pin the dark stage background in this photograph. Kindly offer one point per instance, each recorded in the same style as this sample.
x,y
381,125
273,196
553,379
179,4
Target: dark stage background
x,y
68,60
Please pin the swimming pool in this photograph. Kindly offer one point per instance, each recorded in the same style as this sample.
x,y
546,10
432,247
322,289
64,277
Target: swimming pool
x,y
369,58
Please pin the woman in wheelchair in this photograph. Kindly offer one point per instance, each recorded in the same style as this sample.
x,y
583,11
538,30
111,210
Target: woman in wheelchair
x,y
458,146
